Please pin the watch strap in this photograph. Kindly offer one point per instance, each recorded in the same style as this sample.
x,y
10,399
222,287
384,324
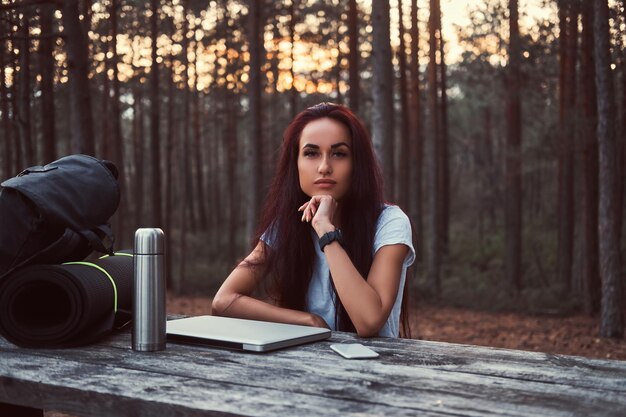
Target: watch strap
x,y
329,237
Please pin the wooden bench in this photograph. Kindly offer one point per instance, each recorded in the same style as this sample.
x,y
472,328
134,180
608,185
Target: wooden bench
x,y
411,377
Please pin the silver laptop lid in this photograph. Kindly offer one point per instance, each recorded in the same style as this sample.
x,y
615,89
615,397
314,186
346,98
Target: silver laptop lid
x,y
251,335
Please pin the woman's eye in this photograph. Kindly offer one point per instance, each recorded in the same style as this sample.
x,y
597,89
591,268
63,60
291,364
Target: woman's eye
x,y
340,154
309,153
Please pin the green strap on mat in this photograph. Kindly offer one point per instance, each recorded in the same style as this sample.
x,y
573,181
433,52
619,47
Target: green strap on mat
x,y
99,268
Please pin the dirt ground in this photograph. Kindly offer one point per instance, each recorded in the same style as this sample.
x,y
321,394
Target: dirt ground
x,y
573,335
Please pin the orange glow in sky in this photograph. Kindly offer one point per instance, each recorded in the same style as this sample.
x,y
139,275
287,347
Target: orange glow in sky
x,y
309,58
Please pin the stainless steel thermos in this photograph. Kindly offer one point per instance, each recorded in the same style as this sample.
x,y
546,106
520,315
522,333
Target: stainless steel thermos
x,y
149,313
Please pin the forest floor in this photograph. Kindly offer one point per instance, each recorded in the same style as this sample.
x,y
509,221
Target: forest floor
x,y
570,335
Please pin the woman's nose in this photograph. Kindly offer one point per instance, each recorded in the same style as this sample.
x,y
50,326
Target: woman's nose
x,y
325,167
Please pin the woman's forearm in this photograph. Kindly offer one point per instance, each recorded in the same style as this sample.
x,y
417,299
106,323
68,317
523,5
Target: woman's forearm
x,y
361,301
246,307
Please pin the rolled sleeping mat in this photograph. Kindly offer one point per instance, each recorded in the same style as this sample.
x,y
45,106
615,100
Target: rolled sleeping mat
x,y
68,305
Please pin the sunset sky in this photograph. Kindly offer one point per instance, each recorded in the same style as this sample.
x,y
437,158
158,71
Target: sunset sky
x,y
456,12
308,57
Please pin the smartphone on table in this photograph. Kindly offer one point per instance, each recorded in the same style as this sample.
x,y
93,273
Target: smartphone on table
x,y
353,351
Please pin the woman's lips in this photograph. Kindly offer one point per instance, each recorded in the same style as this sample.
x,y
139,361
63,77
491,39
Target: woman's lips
x,y
325,183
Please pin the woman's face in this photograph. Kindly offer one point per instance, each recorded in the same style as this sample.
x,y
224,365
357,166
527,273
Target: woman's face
x,y
325,158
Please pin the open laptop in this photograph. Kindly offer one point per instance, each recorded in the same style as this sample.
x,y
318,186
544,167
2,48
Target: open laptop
x,y
240,334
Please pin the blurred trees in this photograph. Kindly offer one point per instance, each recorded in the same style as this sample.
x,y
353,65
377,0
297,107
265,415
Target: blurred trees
x,y
190,100
557,105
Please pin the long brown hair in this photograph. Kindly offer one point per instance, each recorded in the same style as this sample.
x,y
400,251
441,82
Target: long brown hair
x,y
289,262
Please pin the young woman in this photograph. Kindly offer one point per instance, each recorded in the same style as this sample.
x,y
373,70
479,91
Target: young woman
x,y
328,251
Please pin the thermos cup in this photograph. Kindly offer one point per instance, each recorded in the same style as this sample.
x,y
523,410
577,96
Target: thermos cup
x,y
149,313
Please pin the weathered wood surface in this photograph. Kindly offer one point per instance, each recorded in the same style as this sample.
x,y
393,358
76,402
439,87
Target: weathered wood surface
x,y
410,377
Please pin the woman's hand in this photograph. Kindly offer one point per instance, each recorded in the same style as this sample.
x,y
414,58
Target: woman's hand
x,y
320,210
314,320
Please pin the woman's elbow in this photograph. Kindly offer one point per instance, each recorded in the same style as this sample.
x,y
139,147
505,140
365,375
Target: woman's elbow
x,y
368,329
367,333
221,302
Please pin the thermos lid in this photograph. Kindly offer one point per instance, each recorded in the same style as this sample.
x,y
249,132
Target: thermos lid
x,y
149,241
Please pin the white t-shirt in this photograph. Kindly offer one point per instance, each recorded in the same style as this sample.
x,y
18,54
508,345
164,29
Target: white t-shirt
x,y
392,227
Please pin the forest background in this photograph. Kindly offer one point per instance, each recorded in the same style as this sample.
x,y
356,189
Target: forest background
x,y
502,136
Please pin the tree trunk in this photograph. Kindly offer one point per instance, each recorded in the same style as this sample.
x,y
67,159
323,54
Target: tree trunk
x,y
255,133
416,146
170,181
232,150
9,157
402,156
433,152
590,273
86,22
104,117
353,56
23,79
217,211
273,136
444,154
197,135
513,160
118,140
275,58
337,70
490,176
621,145
382,91
81,119
612,321
155,142
217,160
13,92
187,159
138,154
293,93
184,201
568,28
7,154
46,60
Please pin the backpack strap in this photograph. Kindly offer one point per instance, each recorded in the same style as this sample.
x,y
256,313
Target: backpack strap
x,y
100,239
69,245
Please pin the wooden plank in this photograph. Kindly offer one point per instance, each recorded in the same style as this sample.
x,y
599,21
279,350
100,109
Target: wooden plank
x,y
396,379
87,389
534,366
526,366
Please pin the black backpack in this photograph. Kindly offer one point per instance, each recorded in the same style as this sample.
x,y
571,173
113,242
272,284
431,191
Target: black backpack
x,y
57,212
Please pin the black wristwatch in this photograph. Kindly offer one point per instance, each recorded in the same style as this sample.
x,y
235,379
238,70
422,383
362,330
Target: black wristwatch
x,y
329,237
